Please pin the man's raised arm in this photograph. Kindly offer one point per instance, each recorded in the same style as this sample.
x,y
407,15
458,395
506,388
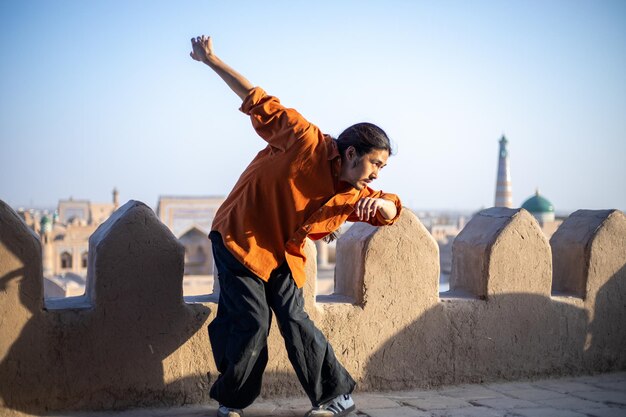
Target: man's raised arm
x,y
202,50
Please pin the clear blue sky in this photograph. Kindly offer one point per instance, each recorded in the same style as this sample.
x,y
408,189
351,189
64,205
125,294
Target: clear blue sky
x,y
101,94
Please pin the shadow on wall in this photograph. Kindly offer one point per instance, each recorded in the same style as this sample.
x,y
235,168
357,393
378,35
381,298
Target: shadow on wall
x,y
22,296
606,330
127,341
468,340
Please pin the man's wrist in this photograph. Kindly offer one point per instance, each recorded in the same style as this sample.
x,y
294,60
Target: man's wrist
x,y
211,60
388,209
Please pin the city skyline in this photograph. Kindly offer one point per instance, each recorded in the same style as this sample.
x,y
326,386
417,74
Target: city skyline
x,y
103,95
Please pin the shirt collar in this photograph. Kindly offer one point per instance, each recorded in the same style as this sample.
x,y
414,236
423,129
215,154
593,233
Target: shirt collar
x,y
333,150
335,160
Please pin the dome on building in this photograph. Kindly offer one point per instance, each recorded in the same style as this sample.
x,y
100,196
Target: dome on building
x,y
538,204
45,224
540,207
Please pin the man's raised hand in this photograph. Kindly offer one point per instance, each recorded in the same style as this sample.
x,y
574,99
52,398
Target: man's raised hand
x,y
202,48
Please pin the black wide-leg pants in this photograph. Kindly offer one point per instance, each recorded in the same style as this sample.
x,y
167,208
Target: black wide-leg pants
x,y
239,333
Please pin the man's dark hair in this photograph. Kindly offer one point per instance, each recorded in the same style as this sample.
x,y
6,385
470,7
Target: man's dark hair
x,y
364,137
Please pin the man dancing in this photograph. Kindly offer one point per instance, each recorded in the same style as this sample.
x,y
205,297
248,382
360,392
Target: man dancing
x,y
302,184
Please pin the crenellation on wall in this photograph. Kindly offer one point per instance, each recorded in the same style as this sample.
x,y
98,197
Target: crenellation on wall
x,y
605,288
349,269
134,335
138,343
20,258
130,255
400,280
471,250
607,257
500,250
520,260
571,250
24,333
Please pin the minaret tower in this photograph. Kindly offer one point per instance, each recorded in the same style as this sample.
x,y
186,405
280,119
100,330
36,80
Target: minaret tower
x,y
47,250
116,199
504,191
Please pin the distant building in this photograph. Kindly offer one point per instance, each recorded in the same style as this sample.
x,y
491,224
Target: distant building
x,y
190,219
504,188
65,242
543,210
86,212
444,230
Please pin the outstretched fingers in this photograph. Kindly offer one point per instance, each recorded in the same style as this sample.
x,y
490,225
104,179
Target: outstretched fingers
x,y
202,47
366,208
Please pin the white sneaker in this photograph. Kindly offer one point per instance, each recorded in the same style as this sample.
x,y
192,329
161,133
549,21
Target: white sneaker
x,y
228,412
337,407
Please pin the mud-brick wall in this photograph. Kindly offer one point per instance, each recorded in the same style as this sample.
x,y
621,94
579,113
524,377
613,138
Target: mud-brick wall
x,y
519,307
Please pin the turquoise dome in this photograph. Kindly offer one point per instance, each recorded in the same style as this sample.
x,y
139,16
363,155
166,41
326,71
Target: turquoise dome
x,y
45,224
538,204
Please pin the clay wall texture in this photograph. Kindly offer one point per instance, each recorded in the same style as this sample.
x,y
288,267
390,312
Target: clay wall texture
x,y
519,307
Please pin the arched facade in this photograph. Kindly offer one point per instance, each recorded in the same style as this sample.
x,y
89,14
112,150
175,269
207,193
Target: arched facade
x,y
66,260
198,252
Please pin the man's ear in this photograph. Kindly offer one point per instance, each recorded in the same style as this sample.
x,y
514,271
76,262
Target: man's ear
x,y
350,153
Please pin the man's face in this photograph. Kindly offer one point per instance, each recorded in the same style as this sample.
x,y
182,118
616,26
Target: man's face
x,y
359,171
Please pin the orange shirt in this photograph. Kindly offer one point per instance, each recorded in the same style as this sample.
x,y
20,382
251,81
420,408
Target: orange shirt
x,y
290,190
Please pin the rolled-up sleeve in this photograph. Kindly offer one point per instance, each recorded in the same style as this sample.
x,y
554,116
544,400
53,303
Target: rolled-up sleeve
x,y
378,219
276,124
